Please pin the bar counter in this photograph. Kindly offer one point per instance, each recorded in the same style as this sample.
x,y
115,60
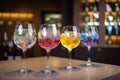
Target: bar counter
x,y
38,63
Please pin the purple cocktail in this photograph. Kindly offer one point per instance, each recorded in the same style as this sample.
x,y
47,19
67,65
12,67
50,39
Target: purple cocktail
x,y
89,38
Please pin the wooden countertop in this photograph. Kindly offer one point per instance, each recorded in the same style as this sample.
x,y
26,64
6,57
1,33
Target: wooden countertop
x,y
38,63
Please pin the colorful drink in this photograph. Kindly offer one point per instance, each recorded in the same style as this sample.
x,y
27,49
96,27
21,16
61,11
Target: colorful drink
x,y
69,40
48,43
24,40
89,40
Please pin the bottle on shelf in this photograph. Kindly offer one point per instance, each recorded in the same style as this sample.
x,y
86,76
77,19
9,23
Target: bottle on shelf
x,y
87,18
95,6
109,33
5,46
118,18
96,19
116,28
117,9
108,7
1,20
18,54
5,39
11,47
118,24
87,6
10,54
1,50
110,17
109,29
113,20
10,22
5,54
95,14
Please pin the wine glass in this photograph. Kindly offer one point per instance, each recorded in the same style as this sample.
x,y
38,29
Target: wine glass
x,y
48,39
24,38
89,37
70,39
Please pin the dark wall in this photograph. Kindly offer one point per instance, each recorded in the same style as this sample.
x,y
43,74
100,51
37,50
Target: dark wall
x,y
109,55
28,6
67,11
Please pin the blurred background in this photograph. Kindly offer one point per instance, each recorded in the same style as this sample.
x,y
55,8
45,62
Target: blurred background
x,y
103,14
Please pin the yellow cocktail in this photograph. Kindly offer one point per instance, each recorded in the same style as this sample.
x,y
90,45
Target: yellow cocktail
x,y
70,40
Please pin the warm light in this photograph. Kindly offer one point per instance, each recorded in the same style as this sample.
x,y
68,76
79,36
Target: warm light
x,y
6,15
10,17
90,23
30,16
119,23
115,39
111,23
113,13
17,15
110,0
22,15
0,14
90,1
14,15
96,23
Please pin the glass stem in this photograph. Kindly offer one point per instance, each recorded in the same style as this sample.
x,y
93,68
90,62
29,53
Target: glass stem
x,y
69,60
47,70
24,68
89,59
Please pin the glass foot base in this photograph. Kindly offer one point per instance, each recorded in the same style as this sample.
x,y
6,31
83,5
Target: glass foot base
x,y
18,73
67,68
25,71
92,65
43,73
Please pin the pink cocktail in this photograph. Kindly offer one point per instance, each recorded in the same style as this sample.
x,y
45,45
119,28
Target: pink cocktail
x,y
48,43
